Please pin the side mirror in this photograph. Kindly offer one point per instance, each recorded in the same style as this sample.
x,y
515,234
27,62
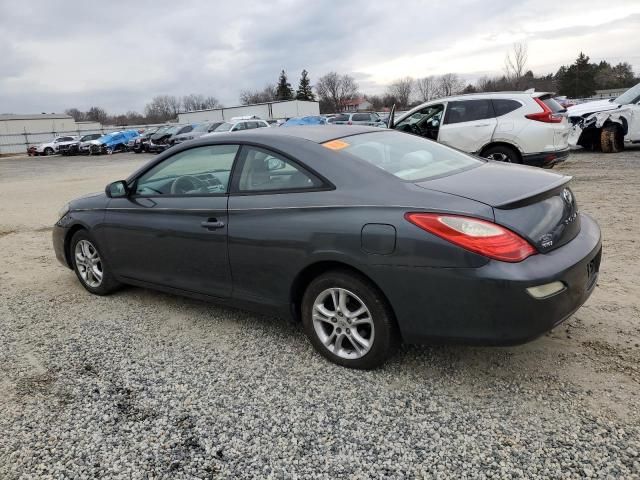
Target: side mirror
x,y
117,189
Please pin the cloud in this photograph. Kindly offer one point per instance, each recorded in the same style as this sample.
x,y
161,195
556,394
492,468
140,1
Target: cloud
x,y
120,54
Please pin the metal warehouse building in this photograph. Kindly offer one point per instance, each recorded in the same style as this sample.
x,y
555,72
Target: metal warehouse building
x,y
267,111
44,122
18,131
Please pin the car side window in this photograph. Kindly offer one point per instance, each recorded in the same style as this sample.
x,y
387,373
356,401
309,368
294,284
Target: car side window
x,y
252,124
502,106
468,111
361,117
375,117
197,171
263,170
239,126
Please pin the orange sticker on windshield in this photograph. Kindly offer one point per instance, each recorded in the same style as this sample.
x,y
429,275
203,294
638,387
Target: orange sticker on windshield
x,y
335,144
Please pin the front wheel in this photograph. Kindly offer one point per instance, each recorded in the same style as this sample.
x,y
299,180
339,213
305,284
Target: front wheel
x,y
502,153
611,139
48,151
89,265
348,320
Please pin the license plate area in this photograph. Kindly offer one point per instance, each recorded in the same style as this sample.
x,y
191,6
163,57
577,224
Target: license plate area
x,y
593,267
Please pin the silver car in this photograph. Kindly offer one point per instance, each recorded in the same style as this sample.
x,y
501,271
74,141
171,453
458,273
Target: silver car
x,y
368,119
197,132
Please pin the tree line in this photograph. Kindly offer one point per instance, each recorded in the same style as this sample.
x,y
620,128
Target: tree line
x,y
578,80
161,108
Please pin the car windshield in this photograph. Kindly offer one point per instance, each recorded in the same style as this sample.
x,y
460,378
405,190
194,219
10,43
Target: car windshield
x,y
408,157
630,96
173,130
203,127
225,127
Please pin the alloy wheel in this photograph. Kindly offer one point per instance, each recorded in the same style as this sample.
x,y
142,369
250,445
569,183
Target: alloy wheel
x,y
88,263
343,323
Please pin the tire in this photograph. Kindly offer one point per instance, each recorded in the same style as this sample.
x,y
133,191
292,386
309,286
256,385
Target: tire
x,y
502,153
375,337
48,151
80,242
611,139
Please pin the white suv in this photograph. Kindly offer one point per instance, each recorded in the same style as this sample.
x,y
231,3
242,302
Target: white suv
x,y
517,127
238,125
49,148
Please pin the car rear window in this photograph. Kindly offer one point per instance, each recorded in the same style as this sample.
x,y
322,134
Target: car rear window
x,y
408,157
361,117
554,106
502,106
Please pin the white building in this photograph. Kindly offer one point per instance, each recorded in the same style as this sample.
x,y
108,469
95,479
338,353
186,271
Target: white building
x,y
17,132
267,111
44,122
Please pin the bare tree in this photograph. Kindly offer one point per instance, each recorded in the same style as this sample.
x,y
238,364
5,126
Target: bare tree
x,y
267,94
77,115
194,101
401,89
334,89
162,108
449,84
427,88
515,64
96,114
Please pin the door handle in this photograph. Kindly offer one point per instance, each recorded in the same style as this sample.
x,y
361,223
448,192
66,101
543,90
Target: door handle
x,y
482,125
212,224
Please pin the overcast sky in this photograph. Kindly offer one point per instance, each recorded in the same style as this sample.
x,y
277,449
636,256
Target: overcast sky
x,y
117,54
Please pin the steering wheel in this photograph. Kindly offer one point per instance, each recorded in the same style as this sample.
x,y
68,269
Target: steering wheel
x,y
416,129
187,183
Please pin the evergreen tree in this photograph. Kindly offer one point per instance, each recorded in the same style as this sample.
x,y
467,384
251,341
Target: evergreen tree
x,y
579,79
304,88
283,90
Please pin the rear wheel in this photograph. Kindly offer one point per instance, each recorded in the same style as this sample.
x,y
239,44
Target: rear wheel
x,y
89,265
611,139
502,153
348,320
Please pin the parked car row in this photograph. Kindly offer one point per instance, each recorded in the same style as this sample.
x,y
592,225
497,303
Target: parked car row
x,y
90,144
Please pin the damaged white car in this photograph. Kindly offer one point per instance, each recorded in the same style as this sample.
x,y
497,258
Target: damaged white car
x,y
606,124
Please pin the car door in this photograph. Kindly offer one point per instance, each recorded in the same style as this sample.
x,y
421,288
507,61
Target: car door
x,y
633,133
172,229
265,187
468,124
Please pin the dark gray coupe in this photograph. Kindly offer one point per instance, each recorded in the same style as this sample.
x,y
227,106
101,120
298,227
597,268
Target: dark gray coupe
x,y
370,237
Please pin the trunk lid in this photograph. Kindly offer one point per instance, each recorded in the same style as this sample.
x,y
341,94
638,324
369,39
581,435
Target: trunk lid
x,y
536,204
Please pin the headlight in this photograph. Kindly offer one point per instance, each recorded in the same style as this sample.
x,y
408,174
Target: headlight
x,y
63,211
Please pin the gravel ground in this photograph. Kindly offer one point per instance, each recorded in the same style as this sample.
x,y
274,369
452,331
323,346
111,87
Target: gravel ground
x,y
147,385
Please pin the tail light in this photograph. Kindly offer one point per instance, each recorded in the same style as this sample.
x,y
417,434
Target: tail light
x,y
478,236
546,116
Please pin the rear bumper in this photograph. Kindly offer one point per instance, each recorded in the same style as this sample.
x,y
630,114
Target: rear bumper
x,y
546,159
490,305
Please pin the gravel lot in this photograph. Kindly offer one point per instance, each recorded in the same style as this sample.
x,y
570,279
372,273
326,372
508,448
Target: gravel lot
x,y
148,385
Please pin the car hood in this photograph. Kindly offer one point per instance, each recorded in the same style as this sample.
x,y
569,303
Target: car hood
x,y
591,107
497,184
90,200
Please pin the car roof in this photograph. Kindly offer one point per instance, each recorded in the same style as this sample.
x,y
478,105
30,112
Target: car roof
x,y
313,133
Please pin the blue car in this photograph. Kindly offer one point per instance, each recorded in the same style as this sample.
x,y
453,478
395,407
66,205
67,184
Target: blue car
x,y
311,120
111,142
